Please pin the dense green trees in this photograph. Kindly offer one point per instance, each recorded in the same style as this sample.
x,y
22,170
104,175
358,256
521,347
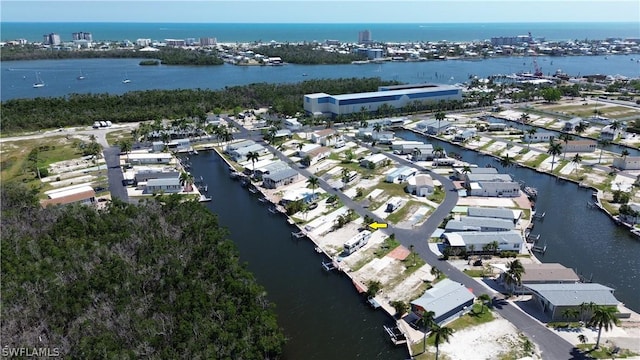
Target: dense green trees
x,y
158,280
306,54
166,56
84,109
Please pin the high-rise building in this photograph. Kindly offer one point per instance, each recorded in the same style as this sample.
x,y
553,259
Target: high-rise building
x,y
51,39
364,37
208,41
82,36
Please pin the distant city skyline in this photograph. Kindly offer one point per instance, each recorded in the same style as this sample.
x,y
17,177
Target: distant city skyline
x,y
322,11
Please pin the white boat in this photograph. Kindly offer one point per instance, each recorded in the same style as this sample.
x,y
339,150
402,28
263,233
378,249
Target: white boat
x,y
126,79
39,83
81,76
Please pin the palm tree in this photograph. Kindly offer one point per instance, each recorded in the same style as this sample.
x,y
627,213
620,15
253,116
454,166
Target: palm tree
x,y
441,334
565,138
253,156
586,308
313,182
364,124
186,179
524,118
377,127
413,254
580,128
125,147
603,317
438,151
427,321
615,125
577,159
485,299
466,169
570,313
531,132
514,273
440,115
506,161
435,272
624,153
555,148
345,175
603,143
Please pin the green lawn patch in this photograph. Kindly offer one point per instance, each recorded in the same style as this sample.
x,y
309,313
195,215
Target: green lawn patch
x,y
438,195
604,352
387,245
474,273
115,136
401,214
536,161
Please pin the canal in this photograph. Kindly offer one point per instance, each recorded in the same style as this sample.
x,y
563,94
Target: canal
x,y
321,313
576,236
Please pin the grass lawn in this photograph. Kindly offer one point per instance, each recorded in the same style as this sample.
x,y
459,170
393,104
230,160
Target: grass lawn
x,y
474,273
603,352
114,136
15,167
403,212
535,162
387,245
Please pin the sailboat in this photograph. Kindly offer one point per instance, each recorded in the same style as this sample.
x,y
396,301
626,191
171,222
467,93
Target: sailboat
x,y
126,79
39,83
81,76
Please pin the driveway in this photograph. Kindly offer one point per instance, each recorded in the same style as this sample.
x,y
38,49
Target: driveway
x,y
114,172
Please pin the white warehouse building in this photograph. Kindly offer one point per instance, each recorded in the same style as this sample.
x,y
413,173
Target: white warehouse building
x,y
396,96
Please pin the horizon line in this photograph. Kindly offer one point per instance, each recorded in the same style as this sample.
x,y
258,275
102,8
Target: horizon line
x,y
310,22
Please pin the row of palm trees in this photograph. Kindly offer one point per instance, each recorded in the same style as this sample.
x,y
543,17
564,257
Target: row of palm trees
x,y
441,334
602,317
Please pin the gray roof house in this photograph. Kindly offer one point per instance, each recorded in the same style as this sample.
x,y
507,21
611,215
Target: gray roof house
x,y
239,144
500,213
169,185
470,223
447,299
271,168
280,178
545,273
555,298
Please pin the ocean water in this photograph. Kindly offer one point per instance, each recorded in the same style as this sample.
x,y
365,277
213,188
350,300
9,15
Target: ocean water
x,y
228,32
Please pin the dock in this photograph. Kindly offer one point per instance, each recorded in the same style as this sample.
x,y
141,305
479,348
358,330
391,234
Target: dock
x,y
538,216
395,334
298,235
329,265
539,249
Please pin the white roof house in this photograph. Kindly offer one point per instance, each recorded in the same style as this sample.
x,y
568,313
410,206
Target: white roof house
x,y
420,185
469,223
507,240
375,159
500,213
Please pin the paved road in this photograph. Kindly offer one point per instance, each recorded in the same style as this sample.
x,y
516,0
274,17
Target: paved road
x,y
114,172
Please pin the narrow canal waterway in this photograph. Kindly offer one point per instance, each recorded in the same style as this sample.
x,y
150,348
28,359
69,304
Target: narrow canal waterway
x,y
576,236
321,313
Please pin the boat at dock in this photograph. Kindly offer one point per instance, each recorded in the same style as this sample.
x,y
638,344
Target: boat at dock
x,y
395,334
531,192
204,198
538,216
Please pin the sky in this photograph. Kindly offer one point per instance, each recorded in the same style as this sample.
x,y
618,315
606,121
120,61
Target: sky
x,y
321,11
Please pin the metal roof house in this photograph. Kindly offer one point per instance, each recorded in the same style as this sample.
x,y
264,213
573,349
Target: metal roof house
x,y
375,159
555,298
447,299
420,185
168,185
470,223
280,178
500,213
544,273
334,105
83,194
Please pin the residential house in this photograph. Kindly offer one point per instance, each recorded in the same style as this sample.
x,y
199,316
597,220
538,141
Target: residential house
x,y
464,135
609,133
374,160
237,145
383,137
302,152
318,154
575,146
149,158
418,149
292,124
326,137
627,163
166,185
433,126
279,178
271,168
305,194
148,174
460,173
157,146
499,213
571,124
420,185
491,185
401,174
554,299
545,273
470,223
477,240
447,299
78,194
241,153
542,136
179,145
